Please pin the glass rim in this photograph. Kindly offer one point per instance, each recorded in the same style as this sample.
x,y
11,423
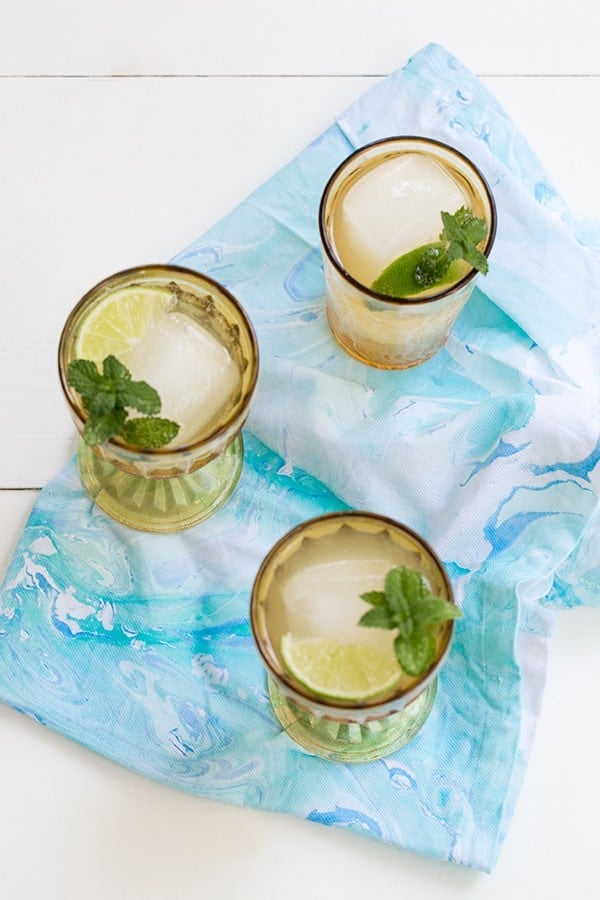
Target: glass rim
x,y
376,295
78,411
280,673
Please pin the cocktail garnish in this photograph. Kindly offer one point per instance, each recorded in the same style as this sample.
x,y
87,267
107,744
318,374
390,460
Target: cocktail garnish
x,y
108,395
408,606
431,264
336,670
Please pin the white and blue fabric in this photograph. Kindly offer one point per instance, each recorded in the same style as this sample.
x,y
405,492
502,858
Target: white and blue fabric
x,y
139,646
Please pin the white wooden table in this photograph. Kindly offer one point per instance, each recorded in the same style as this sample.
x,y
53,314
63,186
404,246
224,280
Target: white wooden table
x,y
127,128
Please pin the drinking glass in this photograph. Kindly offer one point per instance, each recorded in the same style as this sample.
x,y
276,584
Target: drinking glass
x,y
177,486
319,551
380,330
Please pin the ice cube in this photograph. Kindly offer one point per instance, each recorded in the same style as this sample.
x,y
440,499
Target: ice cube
x,y
393,208
324,600
321,594
193,373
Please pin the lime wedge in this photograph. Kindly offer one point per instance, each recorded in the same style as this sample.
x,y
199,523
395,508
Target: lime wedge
x,y
118,323
398,279
338,671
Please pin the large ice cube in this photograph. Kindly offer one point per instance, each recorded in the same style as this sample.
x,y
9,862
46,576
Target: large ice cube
x,y
194,374
324,600
321,594
392,209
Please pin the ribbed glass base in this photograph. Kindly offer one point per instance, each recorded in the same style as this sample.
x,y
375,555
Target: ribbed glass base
x,y
161,504
351,741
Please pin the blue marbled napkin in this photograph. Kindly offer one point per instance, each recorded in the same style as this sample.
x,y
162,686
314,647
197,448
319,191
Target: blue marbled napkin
x,y
139,646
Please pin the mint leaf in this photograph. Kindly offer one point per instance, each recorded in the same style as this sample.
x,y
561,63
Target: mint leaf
x,y
430,611
98,429
84,377
416,654
378,617
398,590
375,598
408,606
407,581
476,258
149,433
463,226
462,232
140,396
114,370
101,403
106,397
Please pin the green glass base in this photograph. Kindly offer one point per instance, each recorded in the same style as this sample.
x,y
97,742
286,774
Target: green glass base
x,y
161,504
350,741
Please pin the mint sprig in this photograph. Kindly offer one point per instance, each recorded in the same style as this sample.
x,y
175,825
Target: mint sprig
x,y
432,264
463,232
108,395
409,607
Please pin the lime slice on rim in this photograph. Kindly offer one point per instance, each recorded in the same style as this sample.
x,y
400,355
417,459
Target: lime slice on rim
x,y
338,671
116,324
